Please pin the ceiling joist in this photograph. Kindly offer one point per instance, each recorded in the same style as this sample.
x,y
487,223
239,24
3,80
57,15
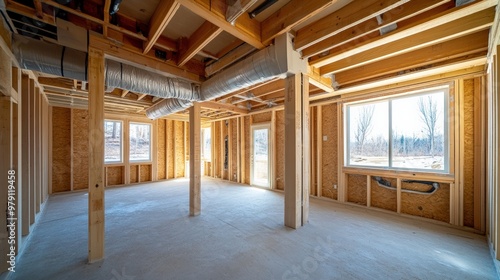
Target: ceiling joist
x,y
163,14
198,40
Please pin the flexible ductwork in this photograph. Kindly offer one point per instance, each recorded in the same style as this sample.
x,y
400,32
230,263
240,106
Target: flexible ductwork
x,y
272,62
275,61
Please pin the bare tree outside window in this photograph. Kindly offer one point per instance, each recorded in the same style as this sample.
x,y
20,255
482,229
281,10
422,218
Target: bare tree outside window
x,y
429,115
364,126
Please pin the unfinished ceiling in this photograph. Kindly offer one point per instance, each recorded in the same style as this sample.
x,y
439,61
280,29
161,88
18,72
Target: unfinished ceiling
x,y
351,45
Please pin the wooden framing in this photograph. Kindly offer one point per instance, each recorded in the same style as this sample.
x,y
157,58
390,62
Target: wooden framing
x,y
296,144
96,155
32,152
243,147
200,38
25,152
274,157
163,14
368,191
194,160
319,151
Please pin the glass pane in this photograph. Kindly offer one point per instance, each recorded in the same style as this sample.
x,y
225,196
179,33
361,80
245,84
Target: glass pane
x,y
113,141
207,144
418,132
369,134
140,142
261,157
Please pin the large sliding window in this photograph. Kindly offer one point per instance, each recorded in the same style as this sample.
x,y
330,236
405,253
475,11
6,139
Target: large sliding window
x,y
113,139
403,132
140,142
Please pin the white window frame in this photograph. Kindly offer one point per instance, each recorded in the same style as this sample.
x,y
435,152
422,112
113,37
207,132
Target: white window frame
x,y
270,158
121,143
389,99
150,143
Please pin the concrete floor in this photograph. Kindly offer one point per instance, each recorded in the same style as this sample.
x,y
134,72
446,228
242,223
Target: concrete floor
x,y
240,235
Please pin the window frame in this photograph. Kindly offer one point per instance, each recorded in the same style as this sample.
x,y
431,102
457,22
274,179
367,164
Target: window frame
x,y
203,156
150,159
121,142
447,130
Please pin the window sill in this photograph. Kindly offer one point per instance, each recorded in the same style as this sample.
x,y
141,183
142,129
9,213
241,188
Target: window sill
x,y
403,174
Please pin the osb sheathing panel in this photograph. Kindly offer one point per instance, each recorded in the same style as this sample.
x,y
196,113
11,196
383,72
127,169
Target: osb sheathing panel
x,y
356,189
313,152
133,173
248,143
225,176
145,173
161,150
80,149
469,152
170,152
114,175
234,149
382,197
280,150
216,160
435,206
330,151
179,149
61,149
262,118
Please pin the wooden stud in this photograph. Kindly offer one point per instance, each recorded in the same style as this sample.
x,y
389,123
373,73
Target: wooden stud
x,y
25,151
274,159
496,153
313,154
71,129
194,160
184,136
306,151
368,191
460,148
221,151
230,151
126,150
107,5
212,150
166,149
38,152
32,152
96,155
243,150
6,164
342,177
479,146
398,195
238,154
319,150
174,147
163,14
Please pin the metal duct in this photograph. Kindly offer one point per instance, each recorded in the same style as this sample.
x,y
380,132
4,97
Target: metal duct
x,y
49,58
124,76
167,107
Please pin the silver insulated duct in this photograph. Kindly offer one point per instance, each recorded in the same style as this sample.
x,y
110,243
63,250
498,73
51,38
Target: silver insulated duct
x,y
277,60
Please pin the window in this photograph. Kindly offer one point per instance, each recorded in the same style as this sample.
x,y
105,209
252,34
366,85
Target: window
x,y
404,132
206,144
140,142
112,141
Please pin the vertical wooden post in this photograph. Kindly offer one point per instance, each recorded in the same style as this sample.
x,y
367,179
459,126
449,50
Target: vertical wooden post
x,y
479,155
242,152
212,149
273,150
368,191
297,155
32,152
25,153
229,151
166,149
96,155
319,147
222,150
174,147
238,147
38,149
496,152
398,195
194,160
184,136
342,177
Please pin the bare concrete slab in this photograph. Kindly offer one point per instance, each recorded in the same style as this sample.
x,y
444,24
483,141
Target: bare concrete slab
x,y
240,235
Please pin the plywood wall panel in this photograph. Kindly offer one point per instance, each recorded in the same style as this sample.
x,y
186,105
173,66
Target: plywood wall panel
x,y
133,173
330,151
234,150
161,150
114,175
262,117
170,152
382,197
280,150
435,206
356,189
145,173
80,149
61,149
469,152
179,149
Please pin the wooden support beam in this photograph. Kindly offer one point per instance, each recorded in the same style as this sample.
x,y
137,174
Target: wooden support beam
x,y
290,15
452,49
366,28
470,17
273,151
368,191
398,195
141,96
244,28
198,40
38,151
194,160
448,31
243,149
346,17
96,155
29,12
315,79
124,93
238,154
163,14
221,149
38,8
296,145
32,151
228,59
479,154
107,5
